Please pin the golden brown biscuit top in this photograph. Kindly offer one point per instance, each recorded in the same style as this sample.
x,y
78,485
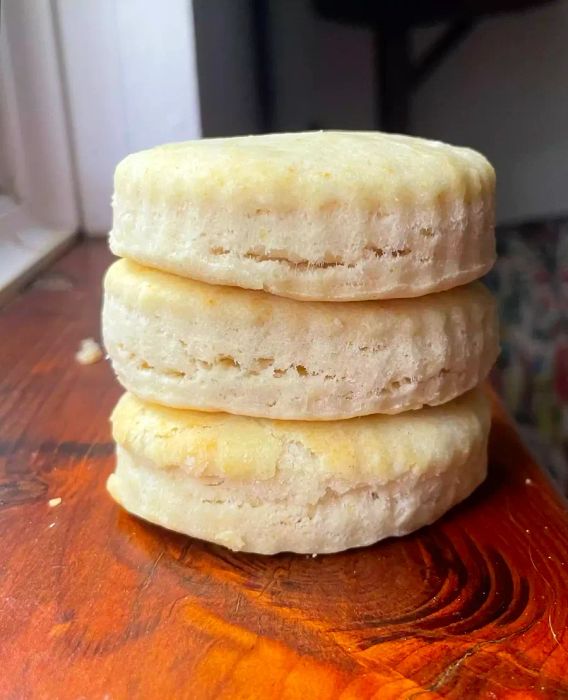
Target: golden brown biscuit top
x,y
153,291
377,447
311,171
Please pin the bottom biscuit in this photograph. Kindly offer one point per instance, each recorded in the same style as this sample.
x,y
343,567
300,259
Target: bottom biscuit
x,y
267,486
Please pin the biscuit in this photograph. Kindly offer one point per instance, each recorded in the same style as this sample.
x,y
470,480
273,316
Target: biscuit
x,y
188,344
268,486
328,216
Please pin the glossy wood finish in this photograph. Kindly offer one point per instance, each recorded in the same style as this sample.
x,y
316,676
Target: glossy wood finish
x,y
97,604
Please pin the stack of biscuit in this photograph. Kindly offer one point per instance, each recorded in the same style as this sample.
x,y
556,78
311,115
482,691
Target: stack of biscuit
x,y
297,326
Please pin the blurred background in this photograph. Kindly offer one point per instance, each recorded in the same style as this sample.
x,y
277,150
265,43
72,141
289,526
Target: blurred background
x,y
84,82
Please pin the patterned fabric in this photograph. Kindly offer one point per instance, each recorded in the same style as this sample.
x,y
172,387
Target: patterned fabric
x,y
530,280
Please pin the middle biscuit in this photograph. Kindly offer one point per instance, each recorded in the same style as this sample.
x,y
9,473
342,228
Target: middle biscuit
x,y
187,344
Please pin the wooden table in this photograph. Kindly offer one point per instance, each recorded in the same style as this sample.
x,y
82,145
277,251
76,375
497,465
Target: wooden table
x,y
97,604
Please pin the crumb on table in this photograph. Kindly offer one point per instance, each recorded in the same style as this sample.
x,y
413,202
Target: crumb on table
x,y
89,352
53,502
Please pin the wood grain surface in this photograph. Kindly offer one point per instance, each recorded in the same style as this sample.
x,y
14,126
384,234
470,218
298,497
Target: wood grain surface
x,y
97,604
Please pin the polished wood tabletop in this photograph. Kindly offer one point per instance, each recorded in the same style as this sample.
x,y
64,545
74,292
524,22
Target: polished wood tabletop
x,y
97,604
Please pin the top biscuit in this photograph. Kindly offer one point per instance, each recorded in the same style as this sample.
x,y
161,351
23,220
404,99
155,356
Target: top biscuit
x,y
327,216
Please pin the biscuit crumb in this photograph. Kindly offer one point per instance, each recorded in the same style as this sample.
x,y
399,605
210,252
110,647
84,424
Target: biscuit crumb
x,y
314,556
53,502
89,352
528,482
